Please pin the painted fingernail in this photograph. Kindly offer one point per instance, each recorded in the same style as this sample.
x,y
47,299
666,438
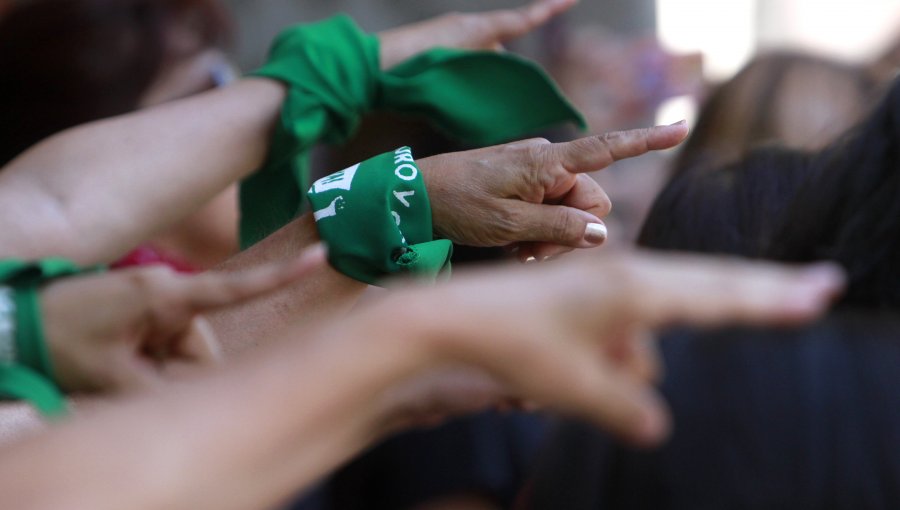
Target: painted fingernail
x,y
595,233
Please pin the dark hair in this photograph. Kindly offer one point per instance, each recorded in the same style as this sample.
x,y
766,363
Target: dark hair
x,y
840,204
66,62
801,418
735,210
801,100
849,211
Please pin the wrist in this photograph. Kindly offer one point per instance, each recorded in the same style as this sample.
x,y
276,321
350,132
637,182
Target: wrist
x,y
7,326
407,332
376,219
432,169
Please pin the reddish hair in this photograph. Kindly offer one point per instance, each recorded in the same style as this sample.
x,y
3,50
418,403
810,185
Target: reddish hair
x,y
67,62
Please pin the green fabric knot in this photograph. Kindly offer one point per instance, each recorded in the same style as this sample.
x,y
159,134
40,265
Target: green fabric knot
x,y
32,377
331,70
333,75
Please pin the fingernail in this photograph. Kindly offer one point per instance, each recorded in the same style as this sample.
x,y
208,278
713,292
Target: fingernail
x,y
827,274
529,260
654,427
679,123
595,233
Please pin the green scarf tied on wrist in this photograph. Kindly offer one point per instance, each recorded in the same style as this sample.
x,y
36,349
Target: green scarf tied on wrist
x,y
333,74
376,218
31,377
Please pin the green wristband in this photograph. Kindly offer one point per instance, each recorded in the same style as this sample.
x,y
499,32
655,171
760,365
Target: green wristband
x,y
375,218
31,377
334,77
21,383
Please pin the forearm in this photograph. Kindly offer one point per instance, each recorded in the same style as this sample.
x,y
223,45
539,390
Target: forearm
x,y
247,437
93,192
324,293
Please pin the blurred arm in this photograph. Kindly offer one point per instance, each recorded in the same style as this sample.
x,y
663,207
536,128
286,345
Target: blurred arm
x,y
305,407
95,191
301,410
321,294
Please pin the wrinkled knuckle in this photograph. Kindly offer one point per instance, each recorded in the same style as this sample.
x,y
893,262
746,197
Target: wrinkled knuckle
x,y
509,224
529,148
536,155
564,228
604,206
610,137
539,141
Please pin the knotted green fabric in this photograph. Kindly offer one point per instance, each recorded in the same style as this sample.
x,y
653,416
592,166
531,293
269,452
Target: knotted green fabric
x,y
333,75
376,220
31,377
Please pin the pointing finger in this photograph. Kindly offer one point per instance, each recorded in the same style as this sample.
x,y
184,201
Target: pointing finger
x,y
598,152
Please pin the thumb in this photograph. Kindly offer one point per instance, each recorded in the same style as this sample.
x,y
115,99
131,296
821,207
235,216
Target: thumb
x,y
557,224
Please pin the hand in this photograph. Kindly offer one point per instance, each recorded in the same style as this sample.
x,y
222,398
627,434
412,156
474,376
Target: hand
x,y
573,335
477,31
533,194
132,329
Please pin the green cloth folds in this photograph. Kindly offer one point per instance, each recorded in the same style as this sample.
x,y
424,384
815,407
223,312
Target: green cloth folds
x,y
21,383
375,218
333,74
31,378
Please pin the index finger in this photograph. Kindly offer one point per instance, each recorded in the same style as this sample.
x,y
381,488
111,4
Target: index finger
x,y
708,292
215,289
598,152
512,23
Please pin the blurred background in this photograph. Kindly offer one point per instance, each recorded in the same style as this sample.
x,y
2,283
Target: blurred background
x,y
726,34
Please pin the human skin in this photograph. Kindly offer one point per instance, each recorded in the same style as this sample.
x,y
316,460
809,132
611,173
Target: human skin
x,y
307,406
498,196
154,167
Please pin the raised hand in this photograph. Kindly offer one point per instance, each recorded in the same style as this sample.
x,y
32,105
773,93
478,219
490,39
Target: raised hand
x,y
574,335
533,194
132,329
486,30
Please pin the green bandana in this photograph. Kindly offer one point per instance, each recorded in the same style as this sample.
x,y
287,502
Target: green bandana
x,y
31,376
333,75
376,220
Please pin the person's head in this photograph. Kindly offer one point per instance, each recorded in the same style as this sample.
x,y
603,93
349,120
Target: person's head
x,y
799,101
66,62
849,211
841,203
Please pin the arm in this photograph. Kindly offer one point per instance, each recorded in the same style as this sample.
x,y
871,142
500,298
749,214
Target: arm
x,y
203,445
495,196
308,406
93,192
322,293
